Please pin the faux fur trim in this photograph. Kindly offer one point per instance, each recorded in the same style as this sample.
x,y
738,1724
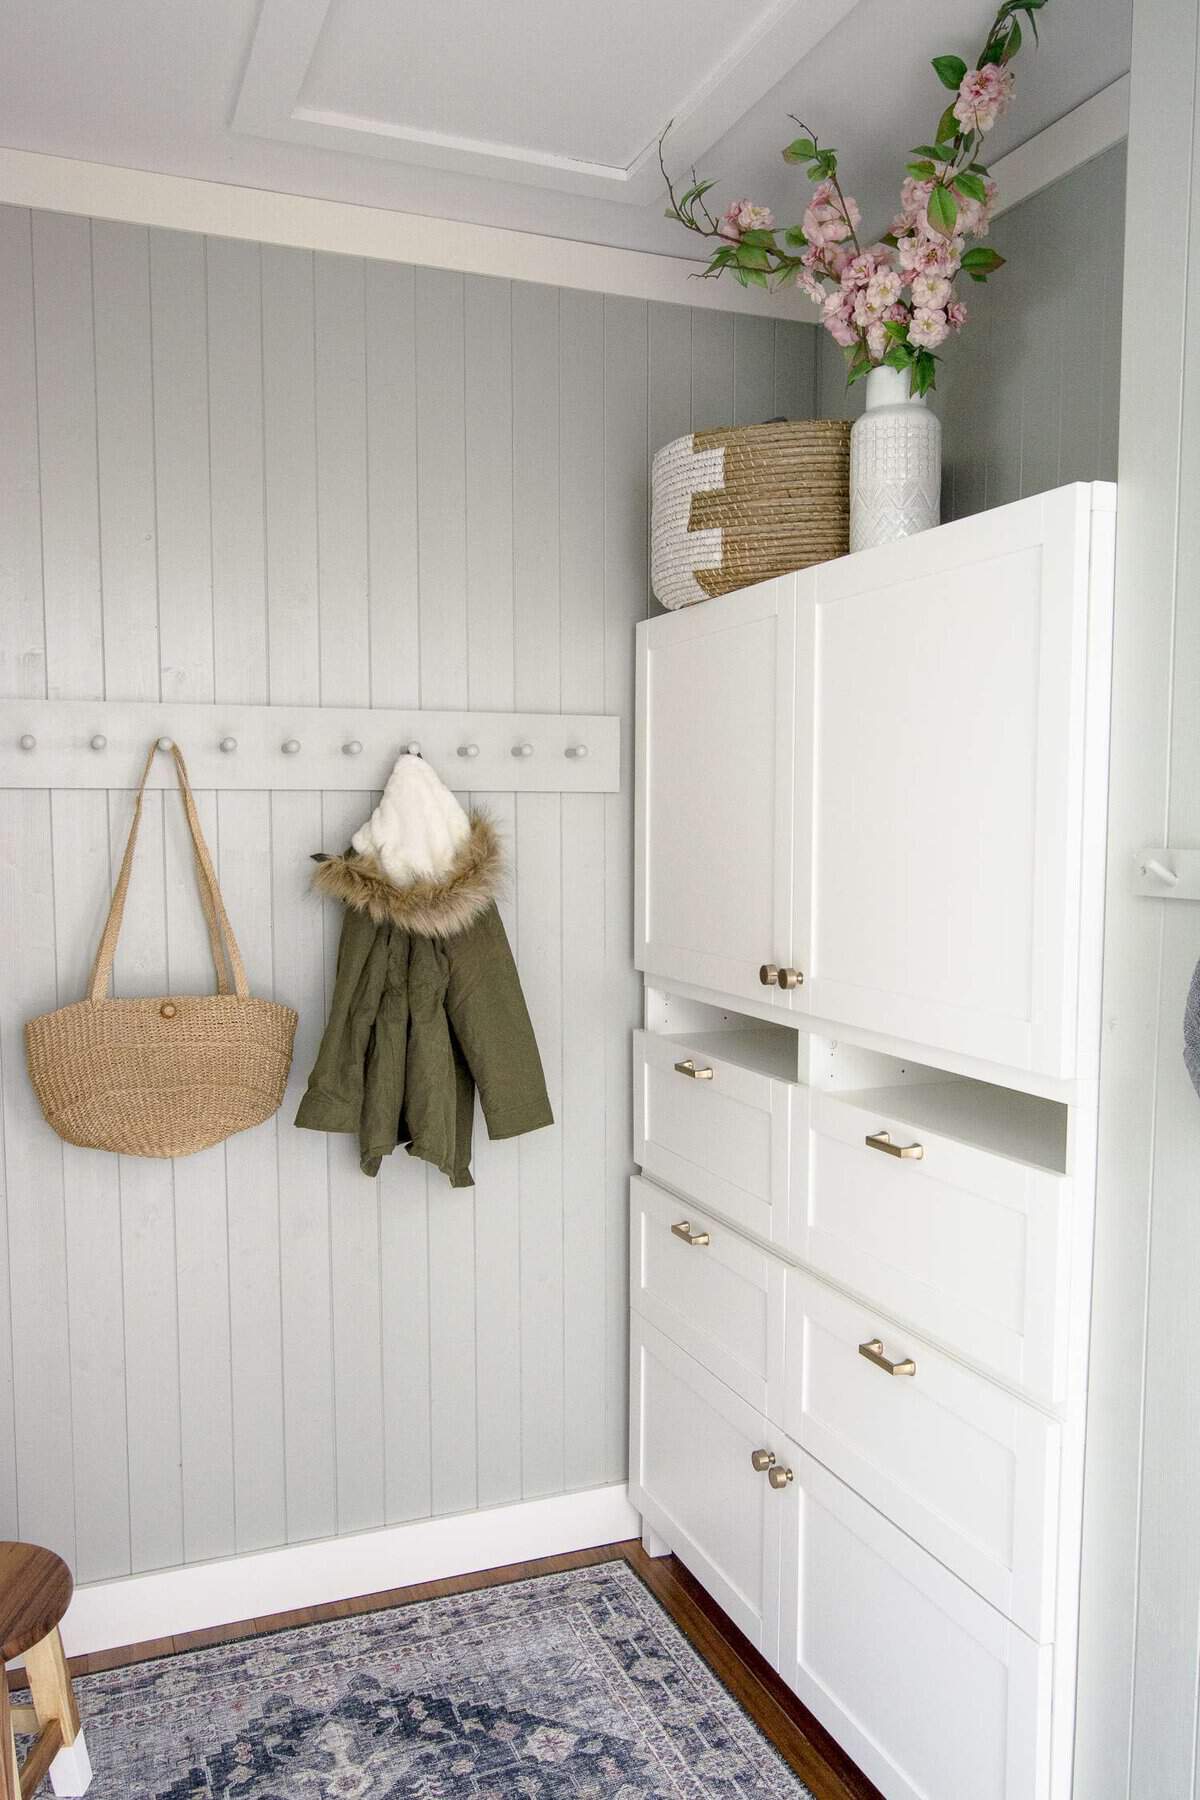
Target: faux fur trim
x,y
438,907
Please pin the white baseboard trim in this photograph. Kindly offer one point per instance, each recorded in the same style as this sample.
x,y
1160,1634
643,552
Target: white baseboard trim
x,y
263,215
108,1614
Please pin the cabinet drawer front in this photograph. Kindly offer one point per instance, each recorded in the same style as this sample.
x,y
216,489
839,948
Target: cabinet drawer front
x,y
691,1477
724,1140
969,1247
721,1300
966,1469
931,1691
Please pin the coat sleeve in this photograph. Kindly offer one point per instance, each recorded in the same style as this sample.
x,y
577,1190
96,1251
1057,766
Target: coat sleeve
x,y
491,1022
334,1100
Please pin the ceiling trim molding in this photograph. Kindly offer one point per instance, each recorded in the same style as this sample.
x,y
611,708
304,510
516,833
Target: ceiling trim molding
x,y
1073,140
261,215
286,38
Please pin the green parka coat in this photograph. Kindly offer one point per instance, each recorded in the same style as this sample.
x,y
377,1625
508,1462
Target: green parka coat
x,y
427,1008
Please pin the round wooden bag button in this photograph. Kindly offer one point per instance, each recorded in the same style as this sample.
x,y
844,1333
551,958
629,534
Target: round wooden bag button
x,y
168,1009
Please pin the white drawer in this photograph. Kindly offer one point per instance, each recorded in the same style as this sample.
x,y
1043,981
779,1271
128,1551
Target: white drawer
x,y
969,1471
708,1289
927,1687
967,1246
691,1478
722,1138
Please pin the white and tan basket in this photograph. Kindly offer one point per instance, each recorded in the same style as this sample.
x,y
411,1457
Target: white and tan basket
x,y
745,503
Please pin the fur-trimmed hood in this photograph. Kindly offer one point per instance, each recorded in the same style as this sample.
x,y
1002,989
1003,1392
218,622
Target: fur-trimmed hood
x,y
438,905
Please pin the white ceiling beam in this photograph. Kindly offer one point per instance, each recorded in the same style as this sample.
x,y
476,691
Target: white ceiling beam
x,y
1073,140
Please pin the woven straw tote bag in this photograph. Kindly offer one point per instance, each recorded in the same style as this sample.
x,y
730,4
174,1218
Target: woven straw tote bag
x,y
171,1075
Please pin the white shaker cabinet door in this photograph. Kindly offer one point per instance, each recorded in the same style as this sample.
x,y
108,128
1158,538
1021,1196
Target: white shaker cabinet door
x,y
715,717
951,678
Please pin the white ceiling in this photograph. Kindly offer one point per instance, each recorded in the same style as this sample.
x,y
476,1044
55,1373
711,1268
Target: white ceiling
x,y
536,114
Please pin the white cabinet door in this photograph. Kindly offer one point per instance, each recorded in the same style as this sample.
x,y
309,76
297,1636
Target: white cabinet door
x,y
933,1693
691,1478
948,677
716,692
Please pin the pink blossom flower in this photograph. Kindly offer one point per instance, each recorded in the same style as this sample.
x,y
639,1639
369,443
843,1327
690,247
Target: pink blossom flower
x,y
841,331
743,215
928,328
883,289
811,286
930,290
876,340
974,216
859,270
984,95
923,255
956,315
825,220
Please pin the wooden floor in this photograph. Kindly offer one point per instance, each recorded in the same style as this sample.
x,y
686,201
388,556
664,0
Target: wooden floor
x,y
797,1736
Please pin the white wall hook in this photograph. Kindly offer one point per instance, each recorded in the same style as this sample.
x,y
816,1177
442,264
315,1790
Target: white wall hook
x,y
1160,871
291,746
228,745
576,750
522,749
165,743
99,742
27,741
353,748
413,749
468,749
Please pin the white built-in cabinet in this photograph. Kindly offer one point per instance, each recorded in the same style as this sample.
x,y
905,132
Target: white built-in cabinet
x,y
870,851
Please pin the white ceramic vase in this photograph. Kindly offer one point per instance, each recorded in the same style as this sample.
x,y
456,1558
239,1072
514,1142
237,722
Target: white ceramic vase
x,y
895,463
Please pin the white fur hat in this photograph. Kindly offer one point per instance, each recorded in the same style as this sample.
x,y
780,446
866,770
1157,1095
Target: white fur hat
x,y
418,828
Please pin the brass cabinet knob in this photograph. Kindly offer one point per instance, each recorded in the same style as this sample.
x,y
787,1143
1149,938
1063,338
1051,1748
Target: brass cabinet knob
x,y
791,978
779,1478
762,1460
768,974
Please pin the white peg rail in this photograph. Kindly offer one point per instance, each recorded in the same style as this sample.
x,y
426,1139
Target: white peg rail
x,y
102,744
1162,874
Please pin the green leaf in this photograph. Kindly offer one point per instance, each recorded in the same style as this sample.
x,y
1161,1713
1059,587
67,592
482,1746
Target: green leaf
x,y
978,168
900,357
759,238
940,152
1013,42
755,276
943,211
890,239
981,261
749,256
897,329
800,149
924,171
924,371
948,127
794,235
971,185
949,71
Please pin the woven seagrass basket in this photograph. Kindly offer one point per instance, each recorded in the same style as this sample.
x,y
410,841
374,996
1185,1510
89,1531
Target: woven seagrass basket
x,y
745,503
170,1075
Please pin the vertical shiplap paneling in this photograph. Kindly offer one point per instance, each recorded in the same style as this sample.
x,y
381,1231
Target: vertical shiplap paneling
x,y
582,1121
795,372
394,603
441,509
179,324
341,378
23,640
712,370
92,1206
290,479
125,448
148,1227
66,386
344,482
753,369
41,1372
626,426
235,390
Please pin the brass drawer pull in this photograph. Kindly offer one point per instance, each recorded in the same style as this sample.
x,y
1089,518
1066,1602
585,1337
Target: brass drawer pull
x,y
762,1460
779,1478
689,1068
698,1240
882,1140
873,1351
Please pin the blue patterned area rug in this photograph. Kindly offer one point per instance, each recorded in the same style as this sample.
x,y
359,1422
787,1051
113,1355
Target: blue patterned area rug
x,y
574,1685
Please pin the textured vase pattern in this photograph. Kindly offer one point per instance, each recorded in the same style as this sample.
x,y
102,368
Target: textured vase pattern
x,y
895,469
568,1687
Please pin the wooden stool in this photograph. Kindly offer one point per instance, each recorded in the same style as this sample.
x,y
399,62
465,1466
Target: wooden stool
x,y
35,1591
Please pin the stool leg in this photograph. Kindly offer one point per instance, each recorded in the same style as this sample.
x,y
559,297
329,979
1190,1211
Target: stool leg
x,y
54,1698
10,1779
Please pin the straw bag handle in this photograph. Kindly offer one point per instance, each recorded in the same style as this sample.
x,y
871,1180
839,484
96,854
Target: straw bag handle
x,y
220,931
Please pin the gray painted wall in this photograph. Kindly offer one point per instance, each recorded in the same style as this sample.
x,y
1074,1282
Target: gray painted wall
x,y
1029,395
248,473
